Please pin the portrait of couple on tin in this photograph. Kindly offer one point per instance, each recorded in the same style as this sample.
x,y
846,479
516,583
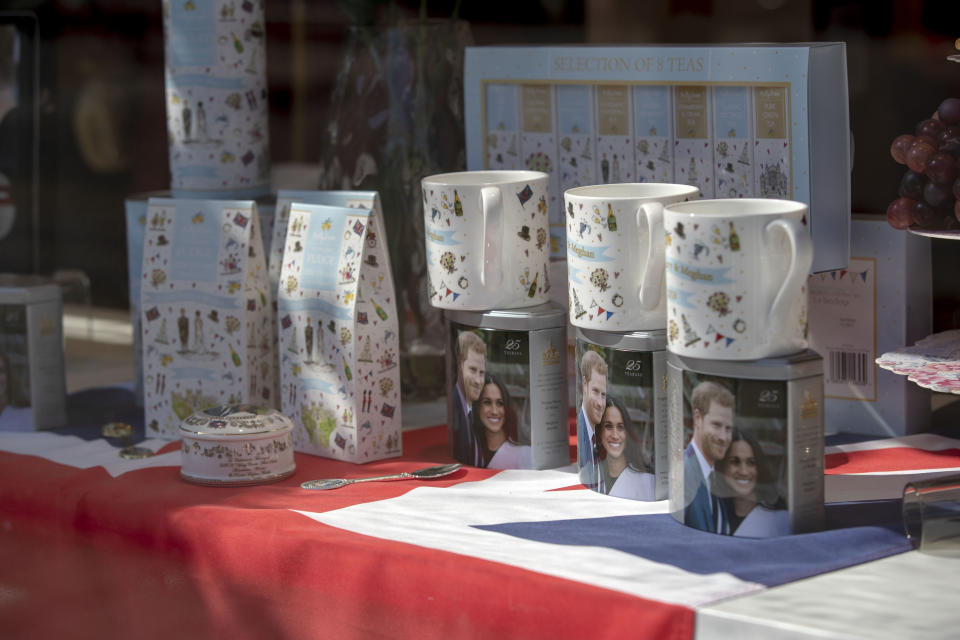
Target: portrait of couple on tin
x,y
728,485
614,455
484,421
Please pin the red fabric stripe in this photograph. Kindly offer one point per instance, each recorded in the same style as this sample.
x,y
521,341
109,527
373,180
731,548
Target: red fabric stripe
x,y
284,576
891,459
573,487
86,555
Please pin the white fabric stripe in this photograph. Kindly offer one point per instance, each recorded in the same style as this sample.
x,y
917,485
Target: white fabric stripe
x,y
442,518
907,595
83,454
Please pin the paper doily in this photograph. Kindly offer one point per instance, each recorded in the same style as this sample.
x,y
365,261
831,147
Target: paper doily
x,y
943,234
932,363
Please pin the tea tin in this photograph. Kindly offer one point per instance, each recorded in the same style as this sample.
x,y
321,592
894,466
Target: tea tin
x,y
507,387
621,410
32,374
745,444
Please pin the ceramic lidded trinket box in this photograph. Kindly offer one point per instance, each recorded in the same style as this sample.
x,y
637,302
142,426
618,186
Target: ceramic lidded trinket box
x,y
236,445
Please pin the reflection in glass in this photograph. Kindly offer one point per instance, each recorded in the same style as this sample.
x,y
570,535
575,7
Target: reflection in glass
x,y
931,515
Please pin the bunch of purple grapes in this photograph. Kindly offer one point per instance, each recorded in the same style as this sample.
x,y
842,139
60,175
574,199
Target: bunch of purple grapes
x,y
930,189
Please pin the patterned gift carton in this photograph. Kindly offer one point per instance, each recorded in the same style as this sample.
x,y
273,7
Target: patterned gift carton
x,y
736,120
338,336
207,322
216,98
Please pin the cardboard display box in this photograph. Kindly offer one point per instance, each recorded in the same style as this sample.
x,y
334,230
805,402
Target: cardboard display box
x,y
879,303
734,120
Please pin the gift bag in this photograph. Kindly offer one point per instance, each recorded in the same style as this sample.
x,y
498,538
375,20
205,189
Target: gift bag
x,y
206,317
338,342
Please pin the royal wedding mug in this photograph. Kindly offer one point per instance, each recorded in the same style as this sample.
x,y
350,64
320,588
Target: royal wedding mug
x,y
487,239
615,255
736,278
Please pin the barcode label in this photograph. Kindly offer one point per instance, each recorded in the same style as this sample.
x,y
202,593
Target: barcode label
x,y
848,367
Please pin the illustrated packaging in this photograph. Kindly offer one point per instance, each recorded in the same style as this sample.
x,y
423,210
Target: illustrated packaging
x,y
507,387
621,380
745,444
135,210
206,319
32,376
880,303
216,98
338,334
735,120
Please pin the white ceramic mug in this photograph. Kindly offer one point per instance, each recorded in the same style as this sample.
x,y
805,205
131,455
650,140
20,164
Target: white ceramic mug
x,y
616,278
737,278
487,238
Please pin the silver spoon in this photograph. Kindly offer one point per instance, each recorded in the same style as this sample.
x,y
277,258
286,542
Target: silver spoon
x,y
422,474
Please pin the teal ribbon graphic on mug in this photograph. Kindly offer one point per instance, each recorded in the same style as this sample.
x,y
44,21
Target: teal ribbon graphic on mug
x,y
573,275
698,273
590,254
680,297
442,236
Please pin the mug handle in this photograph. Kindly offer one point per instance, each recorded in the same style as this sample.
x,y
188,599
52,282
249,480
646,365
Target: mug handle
x,y
801,258
491,202
651,214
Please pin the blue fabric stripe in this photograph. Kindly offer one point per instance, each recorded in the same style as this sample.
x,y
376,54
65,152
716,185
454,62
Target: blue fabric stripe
x,y
771,561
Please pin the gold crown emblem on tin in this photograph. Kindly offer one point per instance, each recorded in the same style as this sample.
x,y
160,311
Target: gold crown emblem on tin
x,y
809,408
551,355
